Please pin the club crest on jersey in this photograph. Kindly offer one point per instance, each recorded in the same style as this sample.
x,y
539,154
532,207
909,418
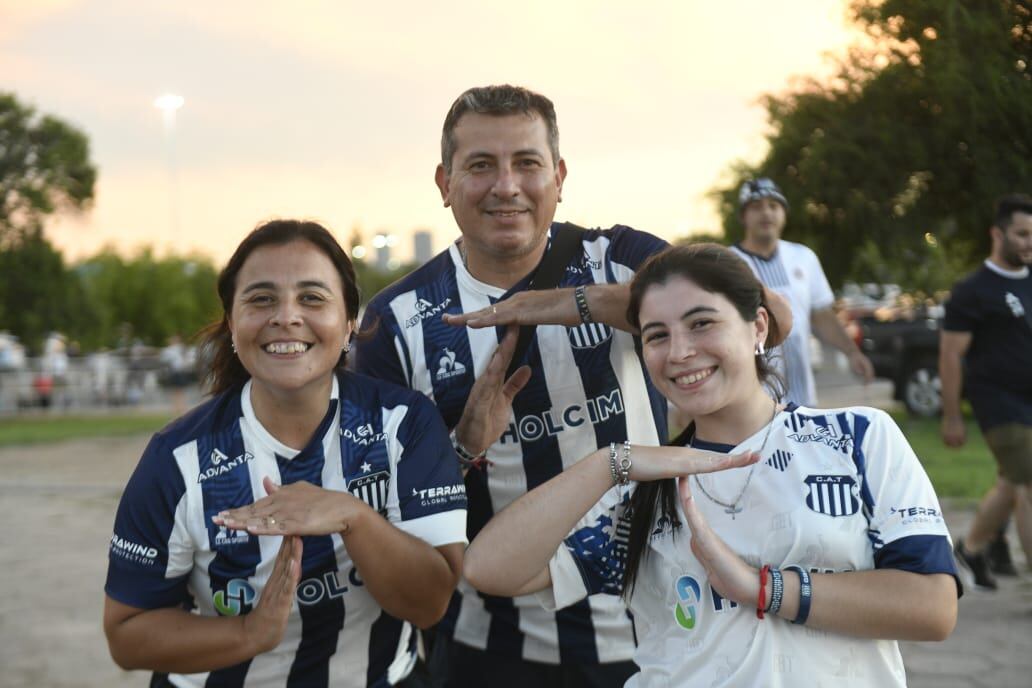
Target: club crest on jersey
x,y
448,367
832,495
372,489
779,460
589,335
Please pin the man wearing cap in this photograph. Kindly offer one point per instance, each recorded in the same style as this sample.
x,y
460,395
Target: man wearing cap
x,y
794,271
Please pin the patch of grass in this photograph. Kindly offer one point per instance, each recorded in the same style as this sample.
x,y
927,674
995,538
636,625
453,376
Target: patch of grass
x,y
967,472
58,428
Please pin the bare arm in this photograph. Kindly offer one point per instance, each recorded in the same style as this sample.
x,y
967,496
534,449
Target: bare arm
x,y
607,303
883,603
502,560
175,640
952,347
828,329
406,576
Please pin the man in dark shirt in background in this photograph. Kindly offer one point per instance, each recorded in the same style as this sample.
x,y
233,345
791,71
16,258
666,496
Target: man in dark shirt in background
x,y
987,334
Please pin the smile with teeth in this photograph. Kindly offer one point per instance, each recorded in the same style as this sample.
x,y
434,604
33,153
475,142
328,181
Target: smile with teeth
x,y
692,378
287,347
505,213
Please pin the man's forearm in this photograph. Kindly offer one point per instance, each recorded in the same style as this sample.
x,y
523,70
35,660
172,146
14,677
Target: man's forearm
x,y
950,378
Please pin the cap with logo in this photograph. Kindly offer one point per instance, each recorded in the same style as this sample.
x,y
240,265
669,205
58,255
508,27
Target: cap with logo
x,y
755,189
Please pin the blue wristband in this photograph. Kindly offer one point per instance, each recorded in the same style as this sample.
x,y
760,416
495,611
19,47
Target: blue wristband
x,y
805,594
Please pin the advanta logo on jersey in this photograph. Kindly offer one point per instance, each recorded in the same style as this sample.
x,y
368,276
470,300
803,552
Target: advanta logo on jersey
x,y
363,435
424,310
221,466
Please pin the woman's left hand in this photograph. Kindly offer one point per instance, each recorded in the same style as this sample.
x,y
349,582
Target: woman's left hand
x,y
300,508
727,572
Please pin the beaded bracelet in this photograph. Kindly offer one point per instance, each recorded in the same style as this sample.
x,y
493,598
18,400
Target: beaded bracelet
x,y
582,305
805,594
466,457
777,591
621,471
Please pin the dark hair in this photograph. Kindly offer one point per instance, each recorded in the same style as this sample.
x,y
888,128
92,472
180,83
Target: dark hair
x,y
1008,205
223,369
716,269
498,100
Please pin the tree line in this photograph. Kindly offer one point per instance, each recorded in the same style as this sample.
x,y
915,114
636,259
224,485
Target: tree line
x,y
891,168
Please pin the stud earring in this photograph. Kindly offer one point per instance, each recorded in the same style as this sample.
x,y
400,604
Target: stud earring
x,y
232,345
760,350
346,348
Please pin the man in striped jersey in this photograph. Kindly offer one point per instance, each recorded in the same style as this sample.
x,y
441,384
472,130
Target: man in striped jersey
x,y
794,271
502,175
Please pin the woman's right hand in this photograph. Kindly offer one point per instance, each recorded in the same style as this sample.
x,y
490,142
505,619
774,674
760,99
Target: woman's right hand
x,y
657,463
265,625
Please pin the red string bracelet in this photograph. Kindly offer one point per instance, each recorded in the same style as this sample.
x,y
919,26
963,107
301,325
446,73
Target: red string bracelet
x,y
761,602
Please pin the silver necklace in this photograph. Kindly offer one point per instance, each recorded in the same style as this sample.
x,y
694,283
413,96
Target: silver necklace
x,y
734,508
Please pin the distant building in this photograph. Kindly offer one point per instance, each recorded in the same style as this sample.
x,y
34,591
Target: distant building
x,y
422,246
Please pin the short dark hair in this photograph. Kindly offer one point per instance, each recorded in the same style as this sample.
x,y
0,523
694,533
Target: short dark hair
x,y
1008,205
498,100
222,368
718,270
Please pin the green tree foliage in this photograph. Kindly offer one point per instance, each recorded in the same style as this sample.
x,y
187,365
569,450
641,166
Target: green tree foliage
x,y
148,298
37,294
892,167
44,167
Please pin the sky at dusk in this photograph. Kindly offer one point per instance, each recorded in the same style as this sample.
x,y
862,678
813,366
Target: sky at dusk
x,y
332,110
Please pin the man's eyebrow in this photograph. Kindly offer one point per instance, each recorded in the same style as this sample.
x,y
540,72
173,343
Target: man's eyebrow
x,y
253,286
303,284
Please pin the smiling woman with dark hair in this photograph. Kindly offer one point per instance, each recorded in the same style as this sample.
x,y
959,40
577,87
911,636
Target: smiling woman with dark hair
x,y
769,545
290,530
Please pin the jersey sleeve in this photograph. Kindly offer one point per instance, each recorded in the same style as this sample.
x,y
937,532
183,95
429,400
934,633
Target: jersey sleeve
x,y
630,247
377,351
150,554
962,313
906,524
592,558
431,493
821,295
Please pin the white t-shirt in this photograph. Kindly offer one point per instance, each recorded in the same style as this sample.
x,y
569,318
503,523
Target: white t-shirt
x,y
835,490
794,272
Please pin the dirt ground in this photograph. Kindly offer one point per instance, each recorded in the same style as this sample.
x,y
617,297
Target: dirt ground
x,y
59,503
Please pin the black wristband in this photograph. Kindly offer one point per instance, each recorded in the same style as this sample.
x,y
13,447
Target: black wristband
x,y
582,305
805,594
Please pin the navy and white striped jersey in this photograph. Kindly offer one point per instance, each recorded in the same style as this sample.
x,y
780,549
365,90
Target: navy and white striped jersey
x,y
383,444
795,272
836,490
588,388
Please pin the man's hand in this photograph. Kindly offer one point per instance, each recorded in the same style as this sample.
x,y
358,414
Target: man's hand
x,y
954,431
861,366
489,404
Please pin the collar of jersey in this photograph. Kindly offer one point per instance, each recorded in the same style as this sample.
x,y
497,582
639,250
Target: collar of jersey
x,y
265,437
695,443
1009,274
470,282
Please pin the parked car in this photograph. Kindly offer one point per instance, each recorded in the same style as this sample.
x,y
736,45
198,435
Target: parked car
x,y
903,346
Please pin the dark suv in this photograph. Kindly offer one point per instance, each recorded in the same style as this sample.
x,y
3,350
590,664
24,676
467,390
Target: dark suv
x,y
904,348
